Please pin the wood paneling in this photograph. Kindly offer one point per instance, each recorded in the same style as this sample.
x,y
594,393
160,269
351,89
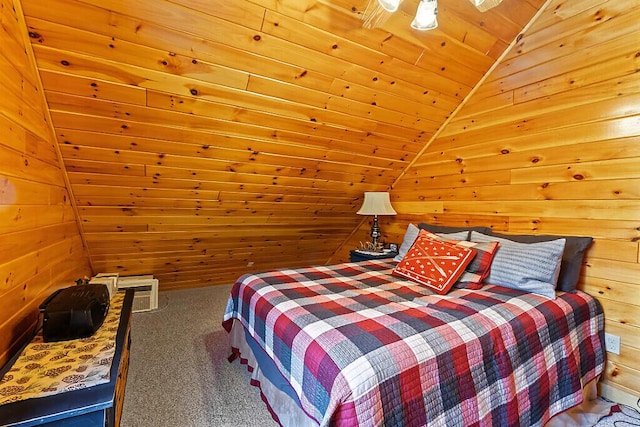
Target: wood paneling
x,y
232,125
204,139
550,144
40,245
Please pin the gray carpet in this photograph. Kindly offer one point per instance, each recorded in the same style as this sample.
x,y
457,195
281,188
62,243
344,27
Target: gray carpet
x,y
179,374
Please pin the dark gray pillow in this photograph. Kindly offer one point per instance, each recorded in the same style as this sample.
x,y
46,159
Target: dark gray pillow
x,y
574,251
411,235
445,229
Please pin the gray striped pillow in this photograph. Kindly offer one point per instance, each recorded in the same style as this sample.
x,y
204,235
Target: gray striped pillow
x,y
529,267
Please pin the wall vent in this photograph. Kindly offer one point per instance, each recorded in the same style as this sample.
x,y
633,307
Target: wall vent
x,y
146,291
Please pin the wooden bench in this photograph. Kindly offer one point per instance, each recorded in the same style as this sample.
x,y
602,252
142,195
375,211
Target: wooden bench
x,y
96,406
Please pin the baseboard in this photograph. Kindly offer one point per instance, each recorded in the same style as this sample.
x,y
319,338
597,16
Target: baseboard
x,y
619,395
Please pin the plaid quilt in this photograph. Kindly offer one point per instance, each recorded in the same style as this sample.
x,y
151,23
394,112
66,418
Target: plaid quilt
x,y
361,347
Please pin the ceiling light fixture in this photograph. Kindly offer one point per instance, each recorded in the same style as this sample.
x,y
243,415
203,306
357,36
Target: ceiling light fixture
x,y
378,11
426,16
484,5
392,5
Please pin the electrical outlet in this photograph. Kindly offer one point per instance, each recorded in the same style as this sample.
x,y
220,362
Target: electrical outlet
x,y
612,343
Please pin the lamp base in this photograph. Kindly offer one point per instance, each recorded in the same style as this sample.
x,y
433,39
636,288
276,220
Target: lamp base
x,y
375,235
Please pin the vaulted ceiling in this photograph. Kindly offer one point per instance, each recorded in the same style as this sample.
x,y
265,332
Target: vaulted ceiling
x,y
200,137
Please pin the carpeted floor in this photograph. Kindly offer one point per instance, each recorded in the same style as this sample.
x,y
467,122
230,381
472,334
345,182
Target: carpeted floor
x,y
179,374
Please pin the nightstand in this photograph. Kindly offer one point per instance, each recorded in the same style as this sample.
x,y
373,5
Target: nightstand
x,y
356,256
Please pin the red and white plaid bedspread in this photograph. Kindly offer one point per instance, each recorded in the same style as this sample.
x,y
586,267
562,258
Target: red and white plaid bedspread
x,y
363,348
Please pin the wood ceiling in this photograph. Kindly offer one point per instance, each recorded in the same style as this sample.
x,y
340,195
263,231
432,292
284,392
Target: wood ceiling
x,y
204,137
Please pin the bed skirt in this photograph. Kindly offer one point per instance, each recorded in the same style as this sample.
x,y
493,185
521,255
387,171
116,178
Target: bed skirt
x,y
284,409
287,412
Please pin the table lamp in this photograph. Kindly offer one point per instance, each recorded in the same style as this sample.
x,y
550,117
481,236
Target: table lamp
x,y
376,203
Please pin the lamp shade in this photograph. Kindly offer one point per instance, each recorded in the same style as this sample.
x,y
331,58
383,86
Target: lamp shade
x,y
376,203
389,5
484,5
425,18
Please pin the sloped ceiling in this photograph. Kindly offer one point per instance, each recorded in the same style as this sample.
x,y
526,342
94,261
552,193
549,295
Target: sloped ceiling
x,y
206,138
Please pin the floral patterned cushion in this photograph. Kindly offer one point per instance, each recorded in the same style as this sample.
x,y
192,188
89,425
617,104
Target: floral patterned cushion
x,y
46,368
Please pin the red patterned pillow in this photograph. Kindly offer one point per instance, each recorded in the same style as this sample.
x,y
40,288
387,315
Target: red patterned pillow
x,y
434,263
480,267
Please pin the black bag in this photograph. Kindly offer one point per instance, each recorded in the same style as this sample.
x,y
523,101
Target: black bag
x,y
74,312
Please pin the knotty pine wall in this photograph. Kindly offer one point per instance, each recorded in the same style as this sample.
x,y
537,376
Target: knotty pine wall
x,y
206,139
550,144
40,245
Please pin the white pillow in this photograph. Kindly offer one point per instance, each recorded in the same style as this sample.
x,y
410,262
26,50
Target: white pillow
x,y
529,267
411,235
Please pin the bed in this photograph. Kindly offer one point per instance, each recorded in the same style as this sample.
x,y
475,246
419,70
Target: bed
x,y
354,344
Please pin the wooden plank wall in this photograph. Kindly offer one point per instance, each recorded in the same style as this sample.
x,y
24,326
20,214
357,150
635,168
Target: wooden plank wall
x,y
40,246
550,144
206,139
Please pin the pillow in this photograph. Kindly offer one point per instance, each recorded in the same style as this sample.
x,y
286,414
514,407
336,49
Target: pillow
x,y
529,267
445,229
434,263
410,237
478,269
574,251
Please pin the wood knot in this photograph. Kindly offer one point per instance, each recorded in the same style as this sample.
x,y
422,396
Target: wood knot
x,y
257,37
578,177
